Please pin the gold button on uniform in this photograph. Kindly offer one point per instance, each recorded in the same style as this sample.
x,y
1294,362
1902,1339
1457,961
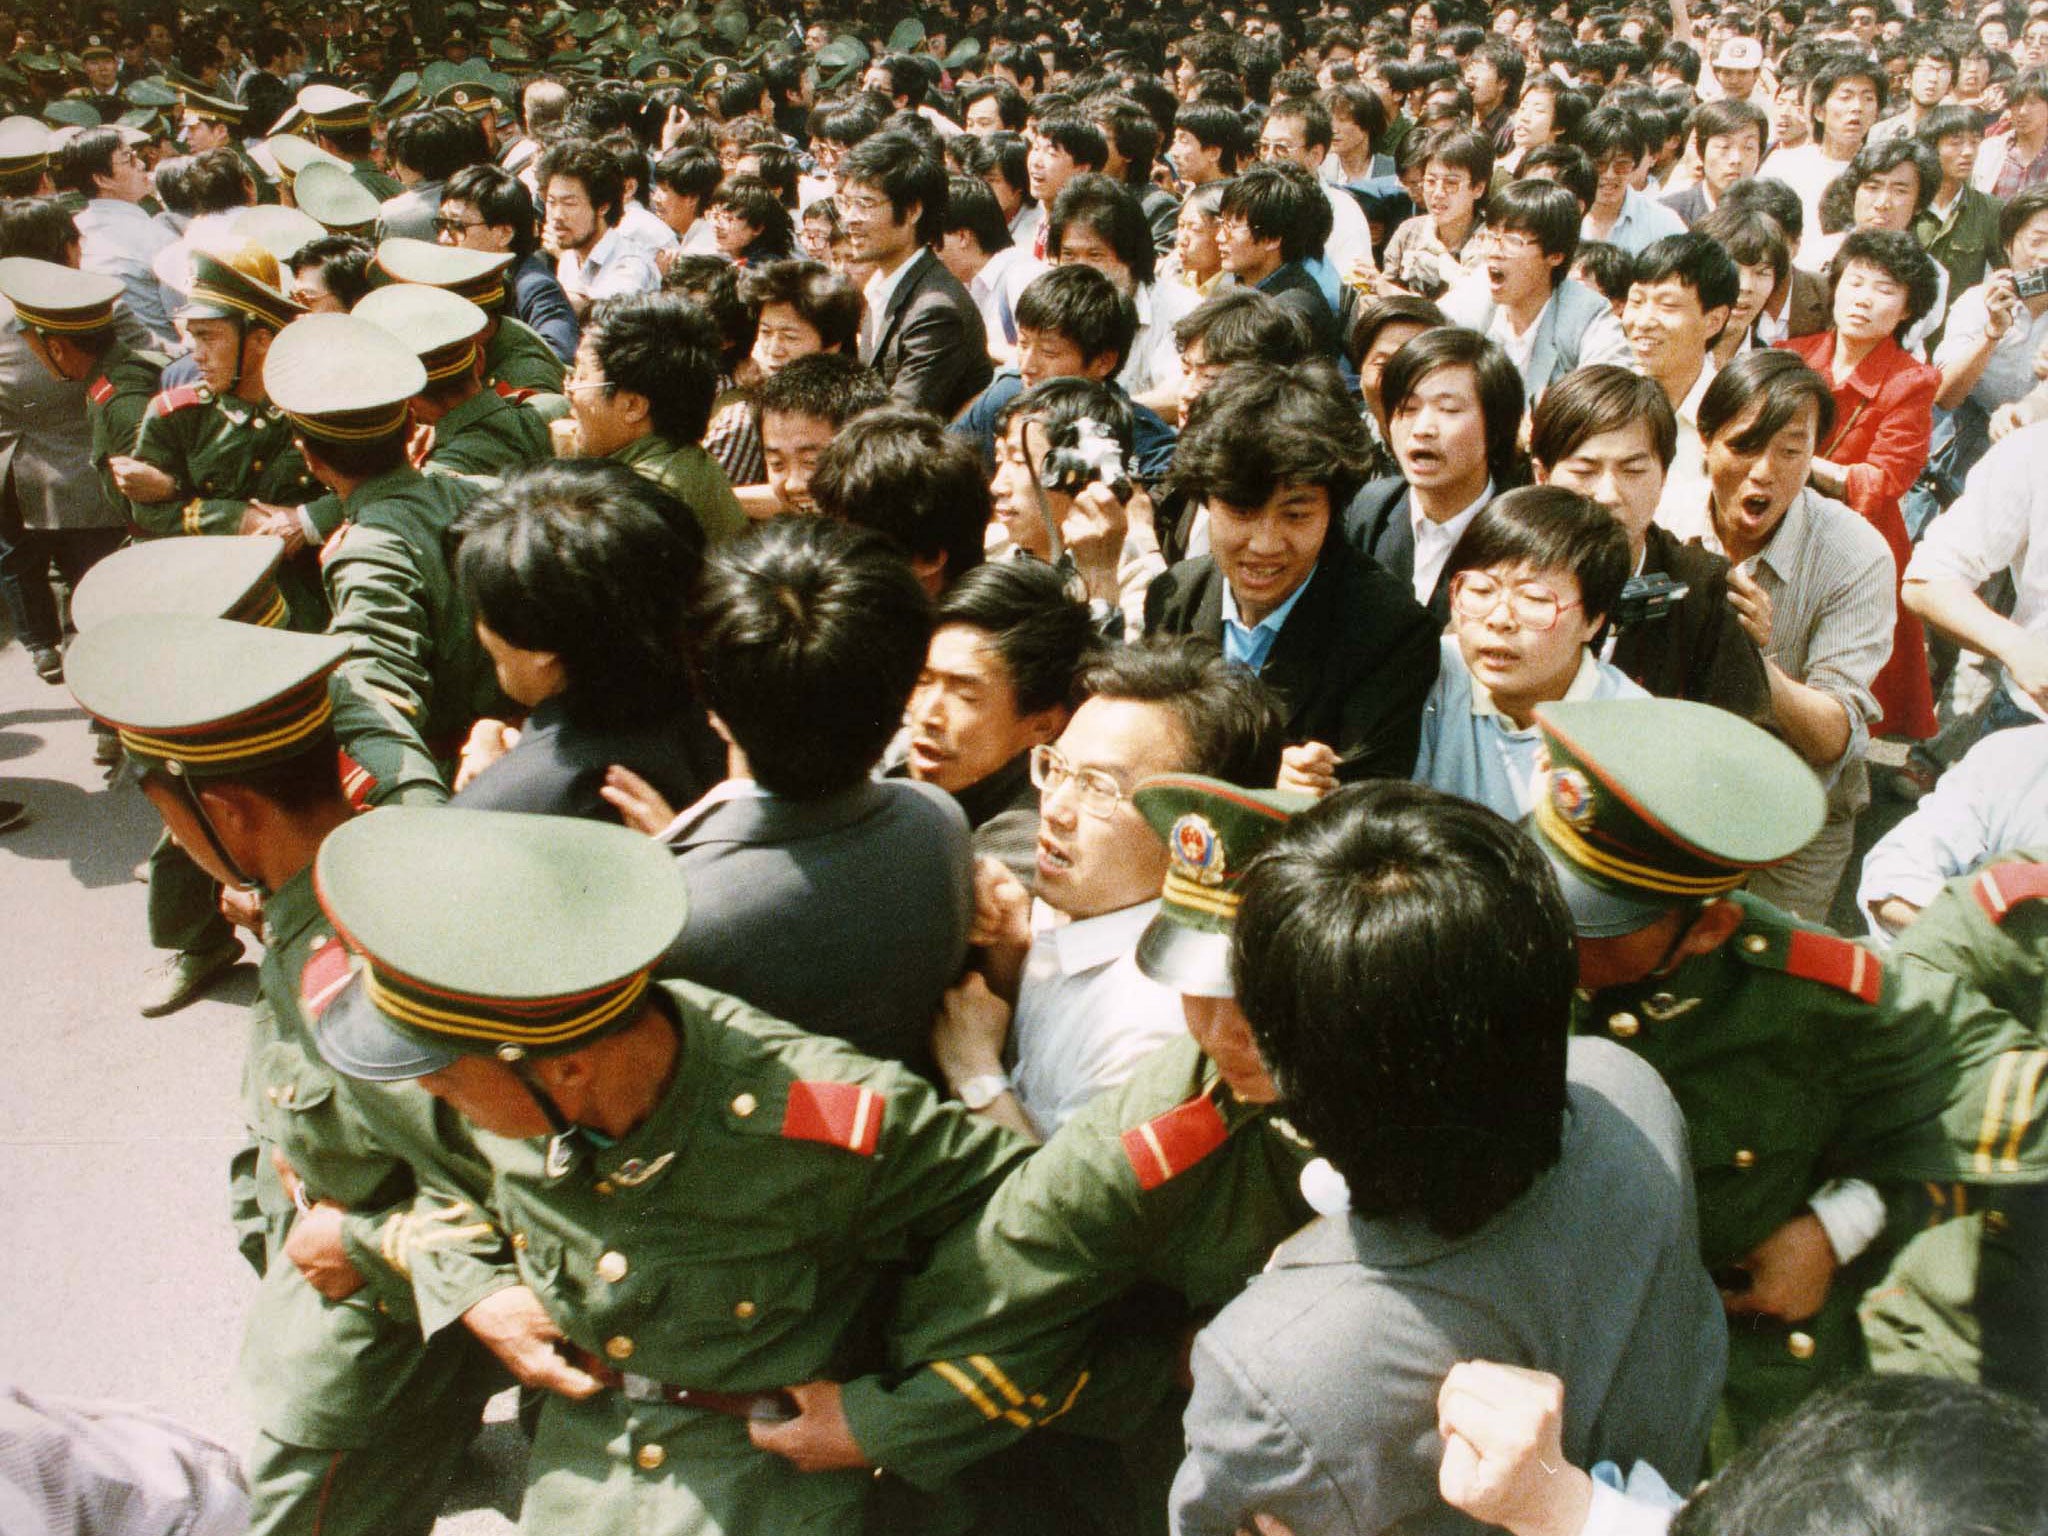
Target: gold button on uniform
x,y
1800,1346
611,1269
619,1347
519,1240
1745,1159
745,1105
649,1457
1756,943
1994,1223
743,1310
1624,1026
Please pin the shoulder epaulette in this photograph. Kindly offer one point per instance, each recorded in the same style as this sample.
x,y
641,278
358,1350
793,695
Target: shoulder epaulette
x,y
1170,1144
326,973
332,547
509,392
844,1115
181,398
2004,886
100,390
1833,962
357,783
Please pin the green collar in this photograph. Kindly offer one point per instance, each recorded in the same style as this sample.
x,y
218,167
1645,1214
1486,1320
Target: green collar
x,y
391,483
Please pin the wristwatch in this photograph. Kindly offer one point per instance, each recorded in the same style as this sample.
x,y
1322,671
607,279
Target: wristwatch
x,y
978,1093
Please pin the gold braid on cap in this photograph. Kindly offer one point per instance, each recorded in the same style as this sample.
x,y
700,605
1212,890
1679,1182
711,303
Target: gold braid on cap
x,y
454,367
546,1021
327,429
71,322
1624,871
272,731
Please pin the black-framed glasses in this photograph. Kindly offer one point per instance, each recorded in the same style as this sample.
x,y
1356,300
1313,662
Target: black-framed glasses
x,y
456,226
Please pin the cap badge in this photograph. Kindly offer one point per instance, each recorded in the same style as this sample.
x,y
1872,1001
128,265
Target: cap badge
x,y
1571,795
1198,849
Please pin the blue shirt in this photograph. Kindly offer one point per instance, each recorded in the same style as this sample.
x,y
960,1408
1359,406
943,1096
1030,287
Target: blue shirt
x,y
1250,647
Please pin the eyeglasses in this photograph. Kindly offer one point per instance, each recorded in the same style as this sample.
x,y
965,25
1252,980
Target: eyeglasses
x,y
456,226
1099,793
1475,595
1515,244
578,386
862,205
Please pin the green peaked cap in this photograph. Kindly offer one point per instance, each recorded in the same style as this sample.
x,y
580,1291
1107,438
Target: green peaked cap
x,y
222,292
1212,831
1648,804
205,697
232,576
489,932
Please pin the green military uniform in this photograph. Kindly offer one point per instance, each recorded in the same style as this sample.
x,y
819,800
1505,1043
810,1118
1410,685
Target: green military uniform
x,y
693,477
1798,1057
731,1241
361,1424
229,114
1157,1200
517,362
1966,1296
485,434
336,110
417,678
224,452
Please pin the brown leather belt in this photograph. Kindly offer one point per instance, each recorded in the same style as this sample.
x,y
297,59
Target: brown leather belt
x,y
759,1407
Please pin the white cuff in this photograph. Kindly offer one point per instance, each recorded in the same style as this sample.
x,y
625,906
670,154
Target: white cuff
x,y
306,526
1851,1212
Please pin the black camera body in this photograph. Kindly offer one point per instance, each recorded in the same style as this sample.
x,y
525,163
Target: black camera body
x,y
1647,599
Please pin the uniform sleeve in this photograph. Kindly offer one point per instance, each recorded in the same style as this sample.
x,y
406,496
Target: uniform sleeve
x,y
386,685
1888,468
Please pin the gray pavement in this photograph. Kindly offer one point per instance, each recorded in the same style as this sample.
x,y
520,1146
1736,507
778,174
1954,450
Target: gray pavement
x,y
119,1277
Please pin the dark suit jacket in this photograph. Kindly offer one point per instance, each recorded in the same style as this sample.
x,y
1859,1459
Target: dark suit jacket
x,y
847,915
933,348
1376,525
1808,312
539,304
1352,666
559,764
1293,286
1690,204
1698,650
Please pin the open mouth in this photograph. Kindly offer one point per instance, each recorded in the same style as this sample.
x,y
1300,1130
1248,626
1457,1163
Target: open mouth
x,y
1051,860
1755,505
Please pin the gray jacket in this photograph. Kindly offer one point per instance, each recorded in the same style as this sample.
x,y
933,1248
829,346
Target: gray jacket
x,y
46,442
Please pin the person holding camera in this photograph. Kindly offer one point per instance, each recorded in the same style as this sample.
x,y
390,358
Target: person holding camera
x,y
1994,331
1610,434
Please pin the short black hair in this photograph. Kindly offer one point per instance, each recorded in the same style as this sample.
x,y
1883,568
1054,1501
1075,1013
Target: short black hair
x,y
1609,268
1947,120
344,264
1781,381
1106,206
1543,210
41,227
1599,398
1280,200
825,301
692,171
1407,963
831,387
1719,119
1075,134
1568,167
1011,107
806,638
1750,236
1131,132
1216,127
1838,202
1853,64
1769,195
1229,719
897,166
1260,429
1494,379
1462,149
2016,214
498,197
713,284
1061,405
587,162
971,206
1375,315
1083,305
1607,131
589,560
437,142
1361,104
898,471
1901,258
75,162
1550,528
1313,116
663,347
1243,325
1568,107
906,76
1037,627
1696,261
752,199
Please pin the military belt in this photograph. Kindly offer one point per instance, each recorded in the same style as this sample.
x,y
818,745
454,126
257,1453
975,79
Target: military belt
x,y
761,1407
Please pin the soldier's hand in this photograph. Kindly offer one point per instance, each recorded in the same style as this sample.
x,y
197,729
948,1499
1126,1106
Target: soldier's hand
x,y
514,1326
818,1439
1504,1462
139,481
314,1246
1308,769
242,907
639,804
1791,1271
1002,907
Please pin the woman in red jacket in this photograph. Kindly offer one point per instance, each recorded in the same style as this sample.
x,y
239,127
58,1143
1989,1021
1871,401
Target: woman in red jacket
x,y
1883,283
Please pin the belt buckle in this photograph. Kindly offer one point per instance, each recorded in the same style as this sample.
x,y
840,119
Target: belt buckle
x,y
636,1388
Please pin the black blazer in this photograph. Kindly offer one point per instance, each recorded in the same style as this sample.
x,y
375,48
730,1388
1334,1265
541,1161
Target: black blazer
x,y
1698,650
1292,286
1352,666
933,348
1376,525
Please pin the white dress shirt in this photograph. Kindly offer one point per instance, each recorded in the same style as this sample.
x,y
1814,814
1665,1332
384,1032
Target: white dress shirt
x,y
1434,541
614,266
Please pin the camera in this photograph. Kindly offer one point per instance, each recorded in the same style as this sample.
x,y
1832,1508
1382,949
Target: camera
x,y
1646,599
2032,283
1092,454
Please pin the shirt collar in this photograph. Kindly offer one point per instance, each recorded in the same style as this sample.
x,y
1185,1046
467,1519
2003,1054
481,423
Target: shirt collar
x,y
1583,683
1089,942
1781,551
880,289
1272,621
1421,525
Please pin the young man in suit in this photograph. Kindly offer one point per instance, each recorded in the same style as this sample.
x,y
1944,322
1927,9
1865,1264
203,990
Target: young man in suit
x,y
924,332
1274,221
1273,454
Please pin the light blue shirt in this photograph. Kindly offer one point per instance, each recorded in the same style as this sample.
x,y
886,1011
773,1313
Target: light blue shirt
x,y
1642,223
1250,647
1470,749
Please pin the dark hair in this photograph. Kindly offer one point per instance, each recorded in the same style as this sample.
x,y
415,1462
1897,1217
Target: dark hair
x,y
2013,217
436,143
1243,325
1852,64
584,161
1751,237
665,348
1259,429
713,284
1037,628
1375,315
971,206
1313,116
738,94
1280,201
589,560
754,201
1781,381
40,227
344,264
1462,149
1230,720
216,182
498,197
1083,305
906,76
1944,121
1077,136
1838,202
1907,1455
831,387
1598,398
1548,527
1106,206
1494,378
1011,107
806,638
1901,258
825,301
1682,57
898,471
1609,268
1612,130
1406,962
690,172
1568,107
1001,154
846,122
1718,119
1362,104
1131,133
1771,196
1544,210
75,162
895,165
1059,406
1568,167
1020,61
1215,127
1696,261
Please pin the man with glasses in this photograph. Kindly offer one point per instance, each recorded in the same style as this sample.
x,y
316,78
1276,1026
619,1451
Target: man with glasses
x,y
487,208
1298,130
116,237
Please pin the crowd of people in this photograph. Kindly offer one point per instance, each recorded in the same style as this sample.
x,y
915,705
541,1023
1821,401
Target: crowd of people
x,y
1092,769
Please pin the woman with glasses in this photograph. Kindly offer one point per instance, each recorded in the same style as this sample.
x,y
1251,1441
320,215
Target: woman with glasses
x,y
1532,582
